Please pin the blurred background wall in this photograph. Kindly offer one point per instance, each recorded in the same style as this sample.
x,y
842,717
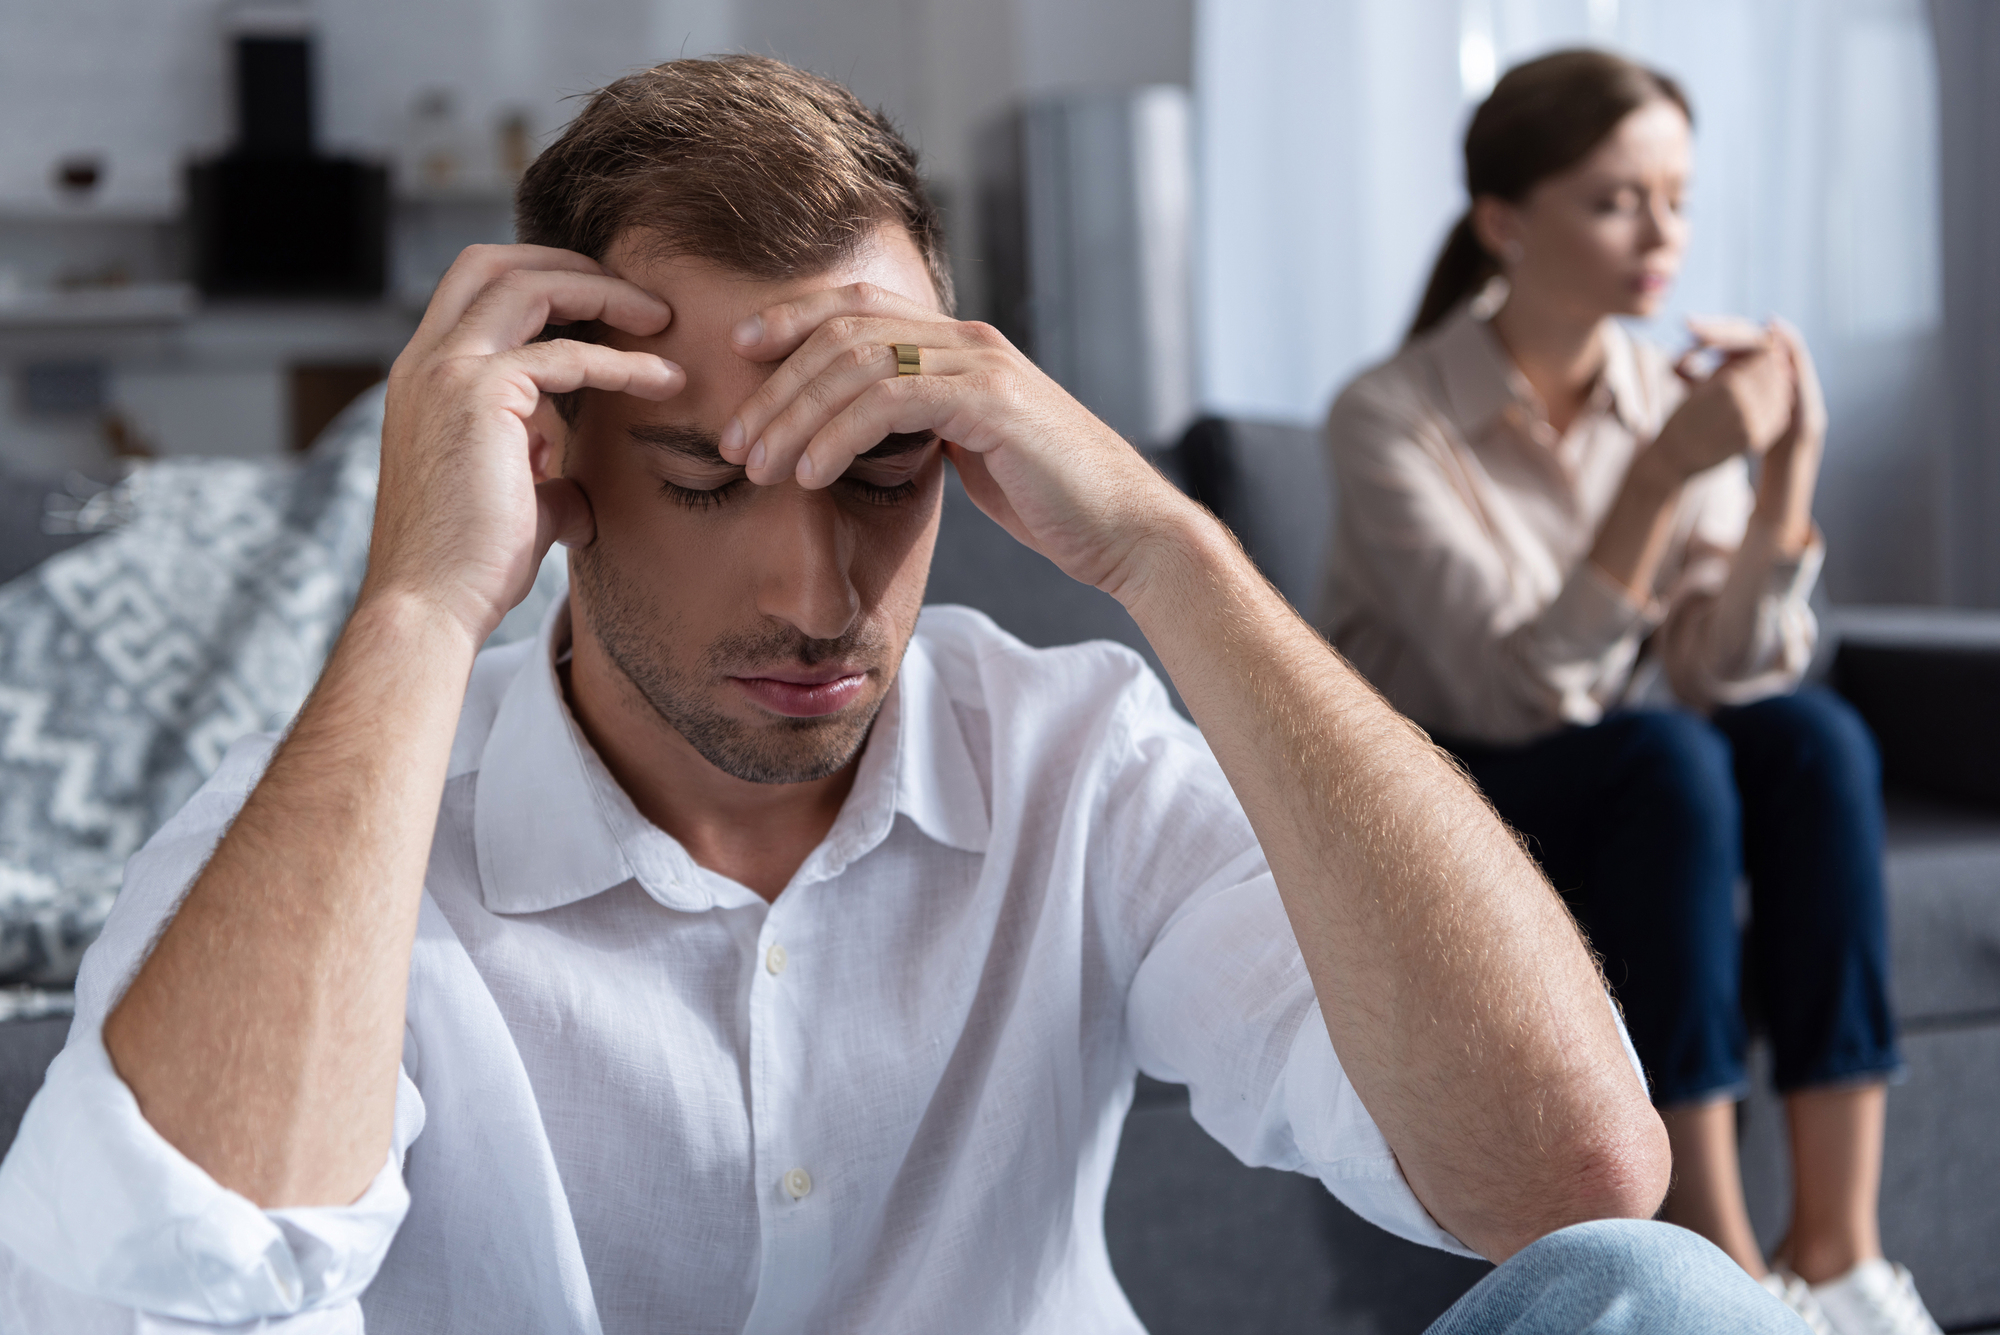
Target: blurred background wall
x,y
1178,205
1331,171
92,320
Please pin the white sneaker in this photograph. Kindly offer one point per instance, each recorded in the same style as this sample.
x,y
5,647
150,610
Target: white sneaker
x,y
1875,1298
1796,1294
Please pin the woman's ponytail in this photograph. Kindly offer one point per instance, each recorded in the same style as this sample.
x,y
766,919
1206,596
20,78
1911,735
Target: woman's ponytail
x,y
1463,267
1541,119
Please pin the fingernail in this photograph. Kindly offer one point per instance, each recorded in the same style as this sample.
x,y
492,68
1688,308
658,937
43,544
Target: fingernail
x,y
805,469
750,330
732,437
756,459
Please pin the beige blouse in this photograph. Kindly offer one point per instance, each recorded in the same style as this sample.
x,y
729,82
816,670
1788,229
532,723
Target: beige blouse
x,y
1460,581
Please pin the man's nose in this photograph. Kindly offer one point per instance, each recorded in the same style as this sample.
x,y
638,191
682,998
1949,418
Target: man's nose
x,y
803,564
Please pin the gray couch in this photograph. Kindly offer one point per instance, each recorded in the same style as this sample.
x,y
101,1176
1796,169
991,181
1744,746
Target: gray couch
x,y
1203,1244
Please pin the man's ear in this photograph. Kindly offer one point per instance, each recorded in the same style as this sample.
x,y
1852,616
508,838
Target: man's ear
x,y
548,440
565,514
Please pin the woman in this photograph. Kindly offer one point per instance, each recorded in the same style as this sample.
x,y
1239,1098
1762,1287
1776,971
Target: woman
x,y
1550,553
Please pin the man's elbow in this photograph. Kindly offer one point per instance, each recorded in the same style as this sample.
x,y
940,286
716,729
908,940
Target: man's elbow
x,y
1620,1170
1625,1174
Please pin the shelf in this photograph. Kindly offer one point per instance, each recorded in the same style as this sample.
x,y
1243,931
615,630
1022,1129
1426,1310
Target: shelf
x,y
136,304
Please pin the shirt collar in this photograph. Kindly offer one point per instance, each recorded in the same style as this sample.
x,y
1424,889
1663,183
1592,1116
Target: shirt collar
x,y
551,826
1622,379
1481,381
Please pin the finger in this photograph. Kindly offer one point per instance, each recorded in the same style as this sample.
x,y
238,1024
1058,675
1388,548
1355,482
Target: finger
x,y
475,267
775,448
515,307
777,331
1728,332
906,404
848,345
562,514
1803,369
986,493
561,365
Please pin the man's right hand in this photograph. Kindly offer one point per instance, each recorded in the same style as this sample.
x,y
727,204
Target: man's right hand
x,y
460,524
262,1035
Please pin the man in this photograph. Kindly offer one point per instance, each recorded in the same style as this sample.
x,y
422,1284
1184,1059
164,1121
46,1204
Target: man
x,y
746,953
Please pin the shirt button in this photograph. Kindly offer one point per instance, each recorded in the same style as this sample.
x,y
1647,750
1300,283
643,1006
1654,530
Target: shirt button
x,y
774,960
798,1184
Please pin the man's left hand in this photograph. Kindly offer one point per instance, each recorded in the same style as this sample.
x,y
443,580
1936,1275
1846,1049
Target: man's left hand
x,y
1031,456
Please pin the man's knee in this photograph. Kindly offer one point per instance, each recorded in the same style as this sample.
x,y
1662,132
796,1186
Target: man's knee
x,y
1615,1276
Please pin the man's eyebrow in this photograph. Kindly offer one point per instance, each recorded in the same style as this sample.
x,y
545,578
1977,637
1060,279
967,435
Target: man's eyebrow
x,y
901,442
690,442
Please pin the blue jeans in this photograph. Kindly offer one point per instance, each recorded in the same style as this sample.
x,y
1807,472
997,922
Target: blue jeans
x,y
1646,822
1619,1277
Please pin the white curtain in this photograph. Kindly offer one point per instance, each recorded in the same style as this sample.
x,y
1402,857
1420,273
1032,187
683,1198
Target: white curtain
x,y
1329,138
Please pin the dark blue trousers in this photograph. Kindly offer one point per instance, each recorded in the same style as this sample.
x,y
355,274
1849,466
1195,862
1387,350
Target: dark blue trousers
x,y
1647,821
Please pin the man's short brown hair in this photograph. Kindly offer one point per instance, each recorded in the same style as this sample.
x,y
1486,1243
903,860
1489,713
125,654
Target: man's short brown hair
x,y
761,168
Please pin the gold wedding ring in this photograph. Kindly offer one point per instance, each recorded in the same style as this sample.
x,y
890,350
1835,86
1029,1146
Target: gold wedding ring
x,y
909,359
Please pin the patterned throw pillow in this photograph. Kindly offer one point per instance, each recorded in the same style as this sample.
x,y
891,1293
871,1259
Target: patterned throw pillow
x,y
129,665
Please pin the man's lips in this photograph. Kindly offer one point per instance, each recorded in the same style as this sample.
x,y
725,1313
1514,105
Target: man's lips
x,y
805,692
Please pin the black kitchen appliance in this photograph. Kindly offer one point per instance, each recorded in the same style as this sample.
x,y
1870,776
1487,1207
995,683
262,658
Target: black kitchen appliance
x,y
273,217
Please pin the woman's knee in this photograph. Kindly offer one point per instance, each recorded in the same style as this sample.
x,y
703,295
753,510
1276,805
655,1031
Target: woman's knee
x,y
1812,734
1679,767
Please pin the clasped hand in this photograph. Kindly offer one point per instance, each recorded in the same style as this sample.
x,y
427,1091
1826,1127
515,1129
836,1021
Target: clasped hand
x,y
1760,400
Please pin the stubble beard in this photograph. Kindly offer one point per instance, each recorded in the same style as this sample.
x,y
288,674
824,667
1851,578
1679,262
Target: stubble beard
x,y
628,627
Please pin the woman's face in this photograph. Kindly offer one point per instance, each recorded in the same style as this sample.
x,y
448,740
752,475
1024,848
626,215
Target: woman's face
x,y
1606,236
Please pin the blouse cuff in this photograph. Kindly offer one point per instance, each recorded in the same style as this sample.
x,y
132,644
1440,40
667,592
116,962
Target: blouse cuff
x,y
97,1200
1787,578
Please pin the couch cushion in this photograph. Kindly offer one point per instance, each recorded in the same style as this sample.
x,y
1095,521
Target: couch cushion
x,y
1203,1244
980,565
26,1049
1271,483
1944,911
25,541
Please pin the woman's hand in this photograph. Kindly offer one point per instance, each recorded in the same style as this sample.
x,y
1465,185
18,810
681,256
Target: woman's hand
x,y
461,524
1031,456
1744,406
1791,466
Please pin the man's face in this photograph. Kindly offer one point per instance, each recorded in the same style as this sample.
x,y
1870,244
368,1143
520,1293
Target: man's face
x,y
764,624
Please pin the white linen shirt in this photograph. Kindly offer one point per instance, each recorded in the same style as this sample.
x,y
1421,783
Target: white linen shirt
x,y
635,1097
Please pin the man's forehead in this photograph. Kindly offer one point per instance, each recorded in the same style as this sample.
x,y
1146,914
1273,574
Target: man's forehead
x,y
708,296
709,301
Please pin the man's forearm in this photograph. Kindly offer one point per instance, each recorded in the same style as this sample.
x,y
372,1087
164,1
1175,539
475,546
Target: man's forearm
x,y
1458,993
262,1035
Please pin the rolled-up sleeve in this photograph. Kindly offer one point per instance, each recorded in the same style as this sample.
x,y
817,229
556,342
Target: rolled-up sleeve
x,y
1222,1004
1742,627
99,1213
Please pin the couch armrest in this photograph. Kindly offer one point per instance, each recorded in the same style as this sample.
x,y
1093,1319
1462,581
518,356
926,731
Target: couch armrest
x,y
1927,680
